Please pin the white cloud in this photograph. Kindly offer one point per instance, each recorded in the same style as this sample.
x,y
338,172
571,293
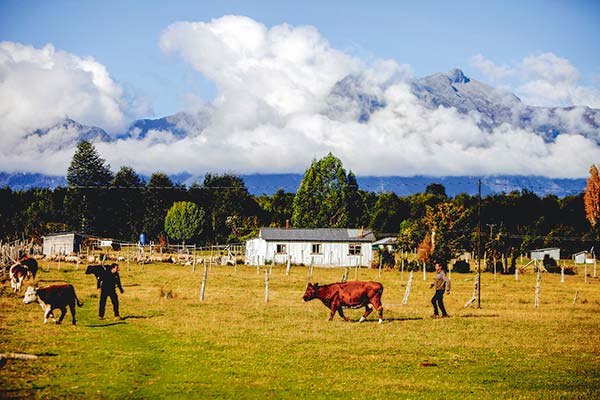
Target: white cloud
x,y
41,87
272,112
542,80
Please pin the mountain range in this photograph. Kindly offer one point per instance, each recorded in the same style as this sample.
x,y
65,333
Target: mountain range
x,y
352,98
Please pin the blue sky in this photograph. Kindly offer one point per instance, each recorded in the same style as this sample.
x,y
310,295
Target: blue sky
x,y
430,36
256,79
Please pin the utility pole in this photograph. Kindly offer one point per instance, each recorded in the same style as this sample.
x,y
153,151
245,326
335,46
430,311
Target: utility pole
x,y
479,243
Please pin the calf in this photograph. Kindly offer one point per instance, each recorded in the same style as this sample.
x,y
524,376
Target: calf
x,y
17,274
31,264
25,268
353,294
53,297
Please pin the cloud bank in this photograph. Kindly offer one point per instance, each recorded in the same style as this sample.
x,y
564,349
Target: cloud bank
x,y
274,111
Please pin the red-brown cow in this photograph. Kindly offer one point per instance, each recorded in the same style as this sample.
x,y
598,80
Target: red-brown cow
x,y
353,294
52,297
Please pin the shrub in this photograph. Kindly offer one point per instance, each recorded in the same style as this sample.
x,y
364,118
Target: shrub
x,y
462,267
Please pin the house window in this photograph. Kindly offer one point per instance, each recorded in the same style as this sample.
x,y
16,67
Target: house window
x,y
316,248
281,249
354,249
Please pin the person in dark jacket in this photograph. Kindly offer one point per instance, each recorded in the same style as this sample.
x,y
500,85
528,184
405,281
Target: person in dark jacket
x,y
441,283
107,282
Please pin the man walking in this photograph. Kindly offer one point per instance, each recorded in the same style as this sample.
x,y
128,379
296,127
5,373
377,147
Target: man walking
x,y
107,281
441,283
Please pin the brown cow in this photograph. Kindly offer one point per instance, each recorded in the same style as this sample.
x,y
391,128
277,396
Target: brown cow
x,y
354,294
52,297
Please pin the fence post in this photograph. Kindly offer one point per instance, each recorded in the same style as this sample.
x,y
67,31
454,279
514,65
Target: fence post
x,y
538,282
203,282
266,285
408,285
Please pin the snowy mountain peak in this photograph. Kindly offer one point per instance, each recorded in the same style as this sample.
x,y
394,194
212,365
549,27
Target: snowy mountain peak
x,y
457,76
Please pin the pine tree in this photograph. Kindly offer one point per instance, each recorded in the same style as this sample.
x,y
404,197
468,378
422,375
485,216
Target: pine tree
x,y
87,168
591,197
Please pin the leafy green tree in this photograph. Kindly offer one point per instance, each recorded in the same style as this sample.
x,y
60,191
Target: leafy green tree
x,y
126,202
184,220
277,208
322,198
230,210
161,193
591,197
436,189
447,223
388,213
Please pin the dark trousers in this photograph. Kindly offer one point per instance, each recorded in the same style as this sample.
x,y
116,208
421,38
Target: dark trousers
x,y
438,301
113,299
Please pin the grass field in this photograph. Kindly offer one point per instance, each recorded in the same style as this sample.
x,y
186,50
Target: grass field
x,y
235,345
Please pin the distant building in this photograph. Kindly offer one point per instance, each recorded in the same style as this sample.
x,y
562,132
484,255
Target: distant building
x,y
552,252
319,246
62,243
388,243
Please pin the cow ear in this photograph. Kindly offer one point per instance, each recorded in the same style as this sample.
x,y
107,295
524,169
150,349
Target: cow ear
x,y
316,284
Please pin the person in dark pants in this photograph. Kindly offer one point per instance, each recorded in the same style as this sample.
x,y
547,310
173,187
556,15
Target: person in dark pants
x,y
107,282
441,283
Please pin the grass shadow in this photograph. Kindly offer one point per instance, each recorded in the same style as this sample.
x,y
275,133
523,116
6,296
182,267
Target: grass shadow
x,y
479,316
106,325
387,320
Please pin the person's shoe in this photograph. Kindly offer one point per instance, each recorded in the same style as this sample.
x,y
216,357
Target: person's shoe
x,y
118,318
434,316
100,318
445,316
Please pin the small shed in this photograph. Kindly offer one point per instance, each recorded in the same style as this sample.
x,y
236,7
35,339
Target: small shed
x,y
584,257
552,252
389,243
62,243
319,246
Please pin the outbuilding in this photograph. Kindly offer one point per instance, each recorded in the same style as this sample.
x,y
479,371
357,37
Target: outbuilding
x,y
62,243
319,246
552,252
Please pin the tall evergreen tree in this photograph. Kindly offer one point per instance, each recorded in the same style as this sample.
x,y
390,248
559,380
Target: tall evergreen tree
x,y
87,167
88,173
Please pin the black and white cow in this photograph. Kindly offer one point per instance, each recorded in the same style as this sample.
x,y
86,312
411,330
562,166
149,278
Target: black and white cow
x,y
17,274
53,297
25,268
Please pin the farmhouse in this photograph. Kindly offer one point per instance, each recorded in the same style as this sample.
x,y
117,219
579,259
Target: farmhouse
x,y
62,243
552,252
320,246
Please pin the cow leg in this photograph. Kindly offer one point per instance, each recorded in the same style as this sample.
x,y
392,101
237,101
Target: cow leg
x,y
72,308
379,307
63,311
48,314
368,310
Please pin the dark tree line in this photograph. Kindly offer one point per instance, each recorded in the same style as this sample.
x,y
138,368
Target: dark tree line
x,y
121,206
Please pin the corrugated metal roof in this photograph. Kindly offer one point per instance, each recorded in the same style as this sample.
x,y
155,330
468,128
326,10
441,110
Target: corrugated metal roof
x,y
317,235
386,241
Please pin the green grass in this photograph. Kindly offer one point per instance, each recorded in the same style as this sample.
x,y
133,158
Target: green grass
x,y
234,345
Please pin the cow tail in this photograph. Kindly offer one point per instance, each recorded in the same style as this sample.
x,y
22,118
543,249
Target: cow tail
x,y
79,303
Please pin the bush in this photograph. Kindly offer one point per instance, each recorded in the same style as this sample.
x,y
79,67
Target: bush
x,y
462,267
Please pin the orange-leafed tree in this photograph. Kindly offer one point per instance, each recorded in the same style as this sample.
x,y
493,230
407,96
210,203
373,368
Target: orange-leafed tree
x,y
591,197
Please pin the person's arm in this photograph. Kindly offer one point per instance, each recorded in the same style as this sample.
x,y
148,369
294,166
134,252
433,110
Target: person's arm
x,y
447,280
118,281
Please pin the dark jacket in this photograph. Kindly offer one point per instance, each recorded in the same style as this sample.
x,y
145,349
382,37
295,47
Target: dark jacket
x,y
107,280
